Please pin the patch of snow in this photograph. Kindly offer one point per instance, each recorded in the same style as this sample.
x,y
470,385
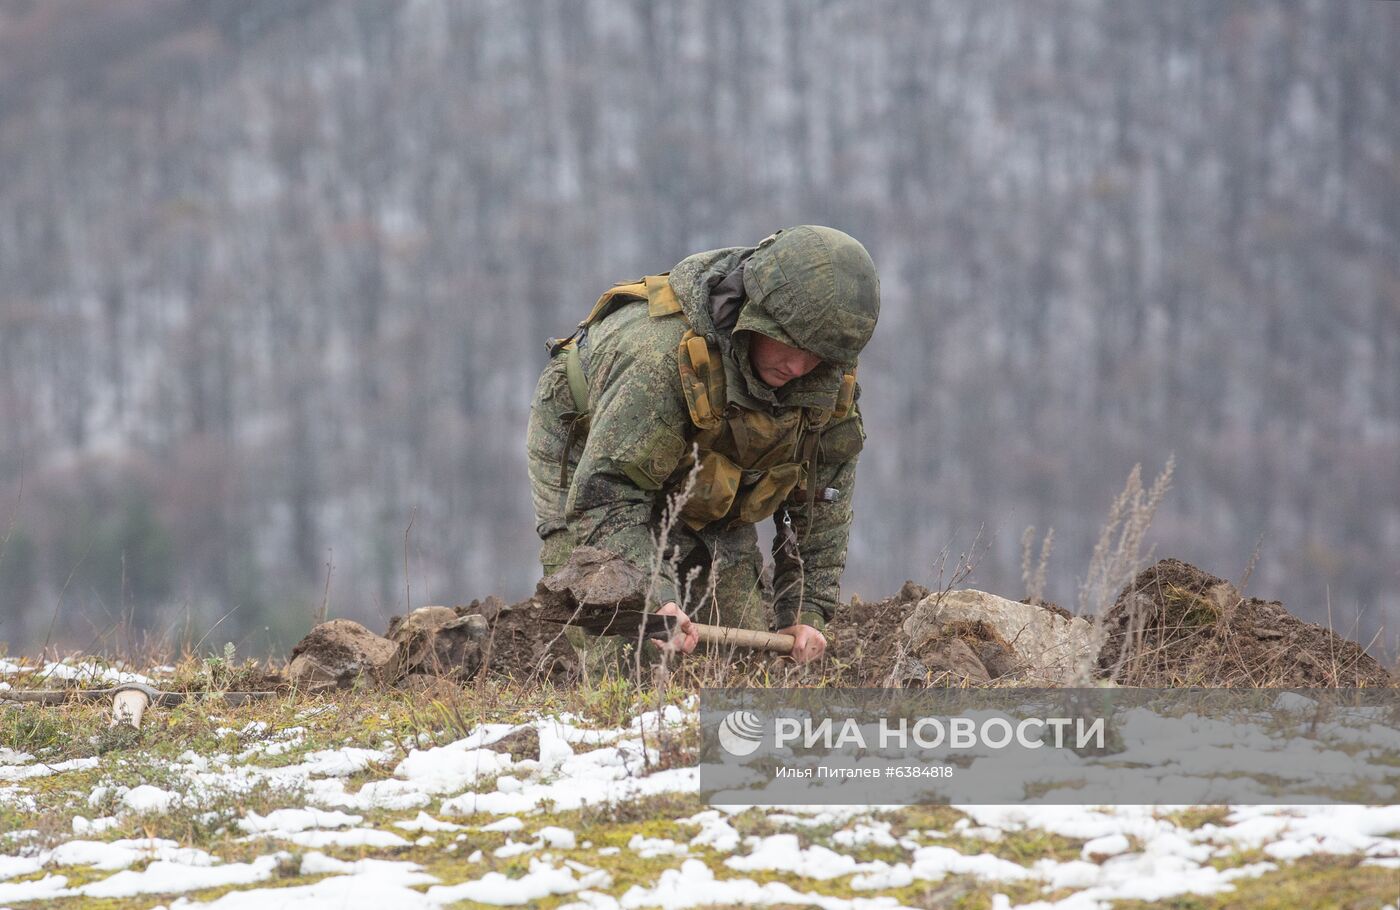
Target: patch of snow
x,y
404,873
425,822
866,833
514,848
163,877
148,800
46,888
14,866
557,837
592,900
447,769
28,772
88,672
715,831
543,880
897,876
783,853
373,883
289,821
695,885
355,837
652,847
1108,845
120,854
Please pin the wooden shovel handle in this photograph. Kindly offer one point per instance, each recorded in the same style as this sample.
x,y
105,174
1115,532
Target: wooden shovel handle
x,y
744,638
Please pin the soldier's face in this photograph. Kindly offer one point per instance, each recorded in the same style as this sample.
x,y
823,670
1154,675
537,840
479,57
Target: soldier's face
x,y
776,363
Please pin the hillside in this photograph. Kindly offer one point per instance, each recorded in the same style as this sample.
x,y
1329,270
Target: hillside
x,y
277,277
583,798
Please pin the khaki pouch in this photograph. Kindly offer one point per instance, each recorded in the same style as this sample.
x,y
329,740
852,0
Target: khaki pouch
x,y
776,484
716,485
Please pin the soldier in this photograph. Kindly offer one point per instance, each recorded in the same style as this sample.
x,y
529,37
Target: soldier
x,y
734,374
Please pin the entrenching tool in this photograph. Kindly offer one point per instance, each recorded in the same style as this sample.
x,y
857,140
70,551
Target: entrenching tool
x,y
129,700
606,619
602,594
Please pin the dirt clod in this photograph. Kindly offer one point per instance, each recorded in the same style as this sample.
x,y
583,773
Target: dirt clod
x,y
520,745
336,653
437,641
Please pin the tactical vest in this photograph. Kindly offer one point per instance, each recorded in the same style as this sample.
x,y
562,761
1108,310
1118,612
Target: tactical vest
x,y
749,461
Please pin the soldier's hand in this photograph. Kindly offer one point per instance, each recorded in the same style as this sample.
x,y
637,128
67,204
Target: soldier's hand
x,y
685,638
808,643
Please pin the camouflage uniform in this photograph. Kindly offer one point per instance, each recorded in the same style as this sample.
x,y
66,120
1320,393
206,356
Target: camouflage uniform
x,y
810,287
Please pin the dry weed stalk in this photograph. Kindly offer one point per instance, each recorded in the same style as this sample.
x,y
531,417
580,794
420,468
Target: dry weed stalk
x,y
1034,580
1118,557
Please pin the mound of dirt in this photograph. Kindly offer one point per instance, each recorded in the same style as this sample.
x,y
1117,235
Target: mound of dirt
x,y
521,647
867,641
872,644
1176,625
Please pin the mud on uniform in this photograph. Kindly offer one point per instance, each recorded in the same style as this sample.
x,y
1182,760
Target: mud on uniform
x,y
662,383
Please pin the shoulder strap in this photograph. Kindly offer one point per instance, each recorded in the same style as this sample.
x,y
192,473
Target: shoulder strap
x,y
654,289
661,300
612,298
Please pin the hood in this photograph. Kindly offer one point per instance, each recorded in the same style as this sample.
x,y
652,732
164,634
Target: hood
x,y
818,286
693,279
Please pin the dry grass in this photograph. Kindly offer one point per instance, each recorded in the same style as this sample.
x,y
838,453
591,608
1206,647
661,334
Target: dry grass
x,y
1118,554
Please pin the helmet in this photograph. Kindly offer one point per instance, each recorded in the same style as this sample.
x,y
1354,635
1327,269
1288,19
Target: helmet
x,y
815,288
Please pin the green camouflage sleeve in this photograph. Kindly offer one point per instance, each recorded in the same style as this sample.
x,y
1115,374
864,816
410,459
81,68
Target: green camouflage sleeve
x,y
807,583
636,439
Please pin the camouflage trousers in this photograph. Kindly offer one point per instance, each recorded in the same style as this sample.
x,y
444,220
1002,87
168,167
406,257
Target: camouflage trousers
x,y
718,572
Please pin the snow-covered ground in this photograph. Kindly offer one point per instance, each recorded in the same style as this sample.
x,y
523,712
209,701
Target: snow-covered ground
x,y
387,827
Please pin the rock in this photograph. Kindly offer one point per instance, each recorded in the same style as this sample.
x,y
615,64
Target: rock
x,y
336,653
520,745
949,662
1037,645
437,641
908,672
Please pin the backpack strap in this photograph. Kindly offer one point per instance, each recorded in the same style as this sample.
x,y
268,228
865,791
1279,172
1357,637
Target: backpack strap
x,y
661,299
654,289
578,383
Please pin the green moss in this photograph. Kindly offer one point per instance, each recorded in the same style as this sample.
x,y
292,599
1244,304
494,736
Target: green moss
x,y
1199,816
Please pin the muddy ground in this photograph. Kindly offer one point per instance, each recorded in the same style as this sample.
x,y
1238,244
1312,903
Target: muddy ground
x,y
518,645
1174,625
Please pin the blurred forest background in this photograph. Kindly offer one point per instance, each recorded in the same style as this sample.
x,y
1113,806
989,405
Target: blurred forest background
x,y
275,277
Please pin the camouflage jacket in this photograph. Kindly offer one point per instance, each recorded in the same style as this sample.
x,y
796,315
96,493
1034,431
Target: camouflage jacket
x,y
640,430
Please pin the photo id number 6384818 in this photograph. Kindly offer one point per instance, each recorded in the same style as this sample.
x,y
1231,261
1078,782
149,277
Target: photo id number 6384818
x,y
919,771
